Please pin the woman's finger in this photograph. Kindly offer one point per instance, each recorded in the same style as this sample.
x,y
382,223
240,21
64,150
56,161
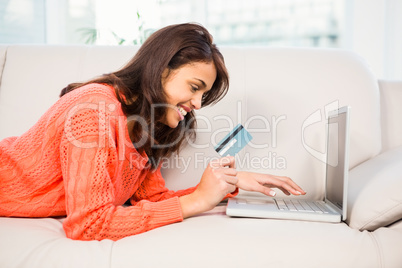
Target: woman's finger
x,y
287,189
231,188
266,190
227,161
290,185
285,184
231,180
229,171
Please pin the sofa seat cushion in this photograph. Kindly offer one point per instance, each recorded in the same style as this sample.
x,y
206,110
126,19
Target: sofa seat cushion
x,y
375,197
42,243
209,240
216,240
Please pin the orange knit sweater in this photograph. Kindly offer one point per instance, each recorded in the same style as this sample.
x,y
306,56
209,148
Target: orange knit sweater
x,y
77,160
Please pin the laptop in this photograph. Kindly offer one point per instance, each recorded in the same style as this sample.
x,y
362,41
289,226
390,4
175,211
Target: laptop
x,y
333,207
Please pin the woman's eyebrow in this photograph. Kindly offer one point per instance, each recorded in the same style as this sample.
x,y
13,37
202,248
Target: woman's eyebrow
x,y
202,82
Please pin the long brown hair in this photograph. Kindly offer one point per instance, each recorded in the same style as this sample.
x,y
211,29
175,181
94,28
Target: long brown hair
x,y
141,81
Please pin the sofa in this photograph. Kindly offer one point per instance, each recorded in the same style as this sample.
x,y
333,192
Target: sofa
x,y
282,96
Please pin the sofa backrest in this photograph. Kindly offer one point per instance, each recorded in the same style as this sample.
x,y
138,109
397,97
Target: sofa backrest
x,y
33,77
281,95
391,111
3,50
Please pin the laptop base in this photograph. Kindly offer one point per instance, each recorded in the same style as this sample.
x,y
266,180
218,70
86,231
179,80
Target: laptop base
x,y
267,208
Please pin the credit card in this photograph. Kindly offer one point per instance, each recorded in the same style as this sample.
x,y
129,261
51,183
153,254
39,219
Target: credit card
x,y
233,142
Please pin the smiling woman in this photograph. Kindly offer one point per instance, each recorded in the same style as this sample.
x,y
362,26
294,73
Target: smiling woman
x,y
166,70
101,144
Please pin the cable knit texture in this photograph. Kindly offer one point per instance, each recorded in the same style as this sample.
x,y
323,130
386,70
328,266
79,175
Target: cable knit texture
x,y
77,160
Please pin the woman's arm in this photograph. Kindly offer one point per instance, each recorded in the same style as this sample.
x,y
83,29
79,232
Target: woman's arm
x,y
217,183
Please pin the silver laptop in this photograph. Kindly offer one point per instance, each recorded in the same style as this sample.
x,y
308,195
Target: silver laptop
x,y
333,207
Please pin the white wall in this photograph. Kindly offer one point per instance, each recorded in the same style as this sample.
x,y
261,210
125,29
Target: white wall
x,y
393,40
373,29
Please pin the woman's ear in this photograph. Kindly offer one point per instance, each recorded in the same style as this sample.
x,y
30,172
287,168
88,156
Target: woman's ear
x,y
165,76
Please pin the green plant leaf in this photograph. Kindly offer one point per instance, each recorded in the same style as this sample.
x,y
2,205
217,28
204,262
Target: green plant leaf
x,y
89,34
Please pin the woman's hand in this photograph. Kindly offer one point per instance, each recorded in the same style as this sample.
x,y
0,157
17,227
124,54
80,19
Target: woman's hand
x,y
218,180
264,183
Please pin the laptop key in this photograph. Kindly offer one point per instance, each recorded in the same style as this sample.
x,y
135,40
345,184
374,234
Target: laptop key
x,y
281,205
322,207
298,206
290,205
306,207
315,207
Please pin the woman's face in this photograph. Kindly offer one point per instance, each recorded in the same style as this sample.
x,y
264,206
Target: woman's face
x,y
184,88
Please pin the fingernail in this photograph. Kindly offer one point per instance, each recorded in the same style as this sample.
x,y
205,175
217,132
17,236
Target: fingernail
x,y
272,193
298,193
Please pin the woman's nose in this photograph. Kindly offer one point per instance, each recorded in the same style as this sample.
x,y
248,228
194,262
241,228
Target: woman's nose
x,y
196,101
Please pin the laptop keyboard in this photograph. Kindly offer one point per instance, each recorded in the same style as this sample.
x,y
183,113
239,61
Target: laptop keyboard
x,y
301,205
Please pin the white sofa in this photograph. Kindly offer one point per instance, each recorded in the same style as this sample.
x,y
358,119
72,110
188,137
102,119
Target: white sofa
x,y
281,95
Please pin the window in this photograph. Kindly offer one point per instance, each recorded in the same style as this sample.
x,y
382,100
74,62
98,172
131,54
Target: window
x,y
259,22
370,28
22,21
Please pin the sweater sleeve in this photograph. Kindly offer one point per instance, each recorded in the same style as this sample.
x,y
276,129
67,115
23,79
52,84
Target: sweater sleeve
x,y
87,168
153,189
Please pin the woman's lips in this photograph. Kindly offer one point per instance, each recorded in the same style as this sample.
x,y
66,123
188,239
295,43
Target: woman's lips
x,y
187,109
180,114
182,110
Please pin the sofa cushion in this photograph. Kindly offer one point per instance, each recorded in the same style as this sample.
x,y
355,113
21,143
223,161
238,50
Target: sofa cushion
x,y
375,198
41,78
209,240
391,110
42,243
215,240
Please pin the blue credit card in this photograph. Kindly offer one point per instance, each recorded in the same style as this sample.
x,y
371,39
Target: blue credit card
x,y
234,141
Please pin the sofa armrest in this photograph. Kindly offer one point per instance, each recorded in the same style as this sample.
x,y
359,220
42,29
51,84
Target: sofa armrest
x,y
374,198
391,110
3,52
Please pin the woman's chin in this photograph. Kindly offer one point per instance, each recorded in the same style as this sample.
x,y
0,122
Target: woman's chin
x,y
172,123
173,126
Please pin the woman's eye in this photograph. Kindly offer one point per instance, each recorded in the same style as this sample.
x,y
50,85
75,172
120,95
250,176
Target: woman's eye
x,y
194,88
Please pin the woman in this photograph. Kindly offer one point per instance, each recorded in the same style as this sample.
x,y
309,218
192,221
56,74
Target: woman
x,y
102,142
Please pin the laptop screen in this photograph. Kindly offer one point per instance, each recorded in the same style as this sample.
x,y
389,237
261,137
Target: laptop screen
x,y
337,158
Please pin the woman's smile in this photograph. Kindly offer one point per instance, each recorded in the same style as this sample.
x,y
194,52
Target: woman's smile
x,y
182,110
